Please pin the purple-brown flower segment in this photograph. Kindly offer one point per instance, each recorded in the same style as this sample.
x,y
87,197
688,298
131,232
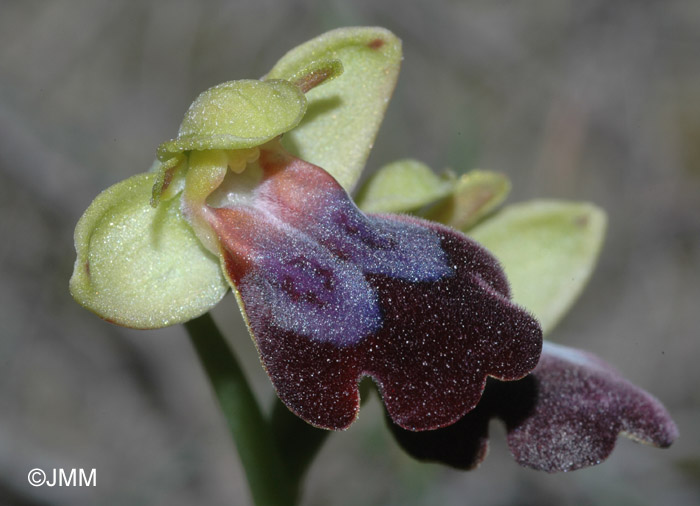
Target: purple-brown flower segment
x,y
564,416
331,294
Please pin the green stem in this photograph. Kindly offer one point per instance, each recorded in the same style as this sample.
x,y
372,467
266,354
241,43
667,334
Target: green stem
x,y
298,442
270,483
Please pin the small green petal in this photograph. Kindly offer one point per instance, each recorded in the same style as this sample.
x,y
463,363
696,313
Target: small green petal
x,y
237,115
318,72
343,115
548,250
165,175
476,194
140,266
402,186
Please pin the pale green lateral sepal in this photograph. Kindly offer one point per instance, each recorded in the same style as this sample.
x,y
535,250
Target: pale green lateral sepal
x,y
238,115
402,186
474,195
548,250
140,266
343,115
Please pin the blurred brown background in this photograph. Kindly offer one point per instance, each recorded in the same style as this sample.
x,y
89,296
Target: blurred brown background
x,y
593,100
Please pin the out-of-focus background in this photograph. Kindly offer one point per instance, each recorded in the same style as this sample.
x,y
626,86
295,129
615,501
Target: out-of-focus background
x,y
596,101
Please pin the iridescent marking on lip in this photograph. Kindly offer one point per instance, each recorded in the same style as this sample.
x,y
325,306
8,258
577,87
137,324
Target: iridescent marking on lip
x,y
437,344
332,295
293,284
317,247
378,246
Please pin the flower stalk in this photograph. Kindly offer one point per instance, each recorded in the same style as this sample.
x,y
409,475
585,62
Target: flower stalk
x,y
253,196
268,477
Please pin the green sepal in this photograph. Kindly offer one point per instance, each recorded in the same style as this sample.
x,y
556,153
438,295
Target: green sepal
x,y
402,186
343,115
548,250
238,115
474,195
139,266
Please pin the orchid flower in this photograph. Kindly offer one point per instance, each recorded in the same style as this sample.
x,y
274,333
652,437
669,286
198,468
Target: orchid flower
x,y
568,413
579,403
329,294
252,195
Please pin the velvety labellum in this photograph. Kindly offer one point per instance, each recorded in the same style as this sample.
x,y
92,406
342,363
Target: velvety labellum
x,y
566,415
332,295
294,284
307,198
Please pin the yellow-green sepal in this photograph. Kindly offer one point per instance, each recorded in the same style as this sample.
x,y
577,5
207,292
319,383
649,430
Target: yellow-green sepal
x,y
344,114
139,266
238,115
403,186
548,250
474,195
